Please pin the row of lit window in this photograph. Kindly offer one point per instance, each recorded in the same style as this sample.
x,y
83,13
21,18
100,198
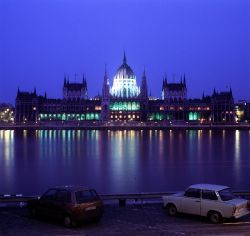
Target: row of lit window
x,y
162,108
125,106
124,117
87,116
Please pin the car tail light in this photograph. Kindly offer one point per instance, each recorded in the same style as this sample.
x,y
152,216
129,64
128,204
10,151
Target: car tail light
x,y
248,205
234,210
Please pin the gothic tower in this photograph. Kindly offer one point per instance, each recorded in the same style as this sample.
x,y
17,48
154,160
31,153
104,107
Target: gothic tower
x,y
144,87
144,96
105,97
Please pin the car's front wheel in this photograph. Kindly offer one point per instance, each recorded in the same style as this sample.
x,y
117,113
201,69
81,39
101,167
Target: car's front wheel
x,y
171,210
33,212
214,217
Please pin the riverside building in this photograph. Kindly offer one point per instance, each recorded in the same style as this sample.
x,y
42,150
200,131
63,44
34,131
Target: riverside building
x,y
125,101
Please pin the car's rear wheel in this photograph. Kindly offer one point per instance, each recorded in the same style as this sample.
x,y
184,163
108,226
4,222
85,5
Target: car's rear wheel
x,y
171,210
97,219
215,217
67,221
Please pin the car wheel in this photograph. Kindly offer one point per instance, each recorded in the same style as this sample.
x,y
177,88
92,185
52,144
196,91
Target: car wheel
x,y
97,219
215,217
67,221
171,210
33,212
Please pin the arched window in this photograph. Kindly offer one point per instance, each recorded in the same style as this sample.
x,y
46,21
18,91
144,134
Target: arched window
x,y
129,106
133,106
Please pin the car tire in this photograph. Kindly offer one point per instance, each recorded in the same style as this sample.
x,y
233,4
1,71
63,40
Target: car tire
x,y
97,219
67,221
171,210
33,212
215,217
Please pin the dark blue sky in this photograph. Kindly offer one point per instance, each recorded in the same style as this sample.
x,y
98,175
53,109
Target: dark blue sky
x,y
41,40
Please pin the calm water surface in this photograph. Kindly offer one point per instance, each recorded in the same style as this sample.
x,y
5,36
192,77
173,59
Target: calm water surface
x,y
122,161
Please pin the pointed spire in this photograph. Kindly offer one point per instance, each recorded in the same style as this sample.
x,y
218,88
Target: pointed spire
x,y
85,83
105,78
105,86
64,83
144,86
203,95
214,92
45,95
83,78
105,73
35,91
144,72
124,57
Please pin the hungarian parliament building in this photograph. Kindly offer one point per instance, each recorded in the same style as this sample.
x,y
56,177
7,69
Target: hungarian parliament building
x,y
124,100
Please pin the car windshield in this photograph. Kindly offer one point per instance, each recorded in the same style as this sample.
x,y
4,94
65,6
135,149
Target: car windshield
x,y
226,194
86,196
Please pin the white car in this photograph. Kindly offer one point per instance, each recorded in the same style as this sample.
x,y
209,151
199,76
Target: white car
x,y
214,201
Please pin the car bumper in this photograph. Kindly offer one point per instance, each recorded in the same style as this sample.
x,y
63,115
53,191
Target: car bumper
x,y
89,215
241,214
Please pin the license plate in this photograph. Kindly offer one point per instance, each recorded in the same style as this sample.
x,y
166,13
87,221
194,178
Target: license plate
x,y
90,208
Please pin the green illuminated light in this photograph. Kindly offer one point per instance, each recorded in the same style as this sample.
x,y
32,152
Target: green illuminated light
x,y
72,117
124,106
156,116
194,116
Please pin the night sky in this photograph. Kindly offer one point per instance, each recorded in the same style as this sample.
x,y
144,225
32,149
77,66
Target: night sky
x,y
42,40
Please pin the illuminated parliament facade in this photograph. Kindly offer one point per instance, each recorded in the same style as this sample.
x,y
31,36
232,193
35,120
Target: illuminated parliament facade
x,y
125,100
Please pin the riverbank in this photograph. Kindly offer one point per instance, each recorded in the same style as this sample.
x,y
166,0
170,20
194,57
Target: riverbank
x,y
125,126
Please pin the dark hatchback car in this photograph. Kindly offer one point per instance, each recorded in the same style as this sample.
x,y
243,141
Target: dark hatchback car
x,y
70,204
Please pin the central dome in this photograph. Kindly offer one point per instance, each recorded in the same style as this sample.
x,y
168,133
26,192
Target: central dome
x,y
124,84
124,71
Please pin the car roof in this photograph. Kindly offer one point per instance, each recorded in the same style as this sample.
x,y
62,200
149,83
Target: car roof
x,y
213,187
72,188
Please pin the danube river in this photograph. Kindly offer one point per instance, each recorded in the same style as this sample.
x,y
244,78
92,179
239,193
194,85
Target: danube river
x,y
123,161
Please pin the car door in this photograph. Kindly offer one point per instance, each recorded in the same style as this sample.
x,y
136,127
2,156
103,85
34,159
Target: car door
x,y
209,201
63,198
46,203
191,201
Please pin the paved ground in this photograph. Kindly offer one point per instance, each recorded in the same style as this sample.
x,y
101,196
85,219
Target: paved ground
x,y
134,219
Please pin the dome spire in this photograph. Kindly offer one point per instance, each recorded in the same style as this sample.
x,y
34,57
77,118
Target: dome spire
x,y
124,57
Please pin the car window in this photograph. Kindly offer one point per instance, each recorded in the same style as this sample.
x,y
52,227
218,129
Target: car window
x,y
226,194
63,196
86,196
193,192
208,194
49,195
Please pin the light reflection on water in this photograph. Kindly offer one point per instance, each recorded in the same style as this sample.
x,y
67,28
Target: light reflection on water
x,y
122,161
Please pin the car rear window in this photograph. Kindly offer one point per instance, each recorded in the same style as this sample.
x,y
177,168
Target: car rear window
x,y
226,194
86,196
